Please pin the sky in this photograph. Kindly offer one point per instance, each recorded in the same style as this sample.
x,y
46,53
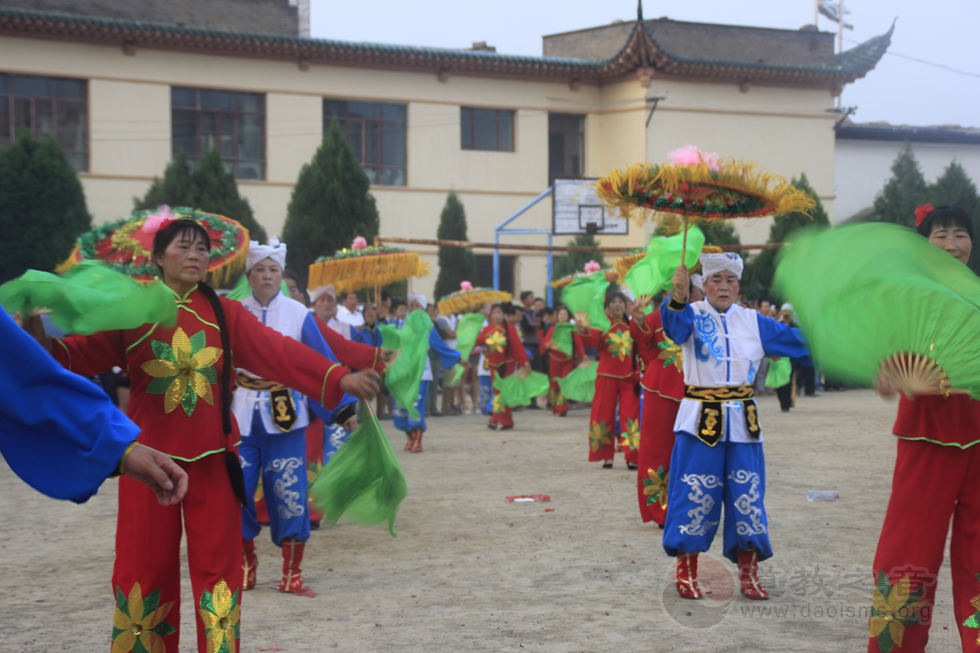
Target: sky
x,y
898,90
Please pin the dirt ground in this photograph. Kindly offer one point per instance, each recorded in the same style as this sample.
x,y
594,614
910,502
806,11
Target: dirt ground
x,y
471,572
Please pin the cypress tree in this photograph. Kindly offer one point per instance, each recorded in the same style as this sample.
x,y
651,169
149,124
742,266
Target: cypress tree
x,y
42,206
330,205
210,188
764,265
954,187
456,264
905,191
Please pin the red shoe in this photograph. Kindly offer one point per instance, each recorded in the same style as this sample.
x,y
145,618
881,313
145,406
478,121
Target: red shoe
x,y
417,441
292,574
410,441
687,576
748,576
250,563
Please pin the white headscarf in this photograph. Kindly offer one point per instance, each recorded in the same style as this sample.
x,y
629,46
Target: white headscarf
x,y
274,250
698,281
419,298
712,264
317,293
628,294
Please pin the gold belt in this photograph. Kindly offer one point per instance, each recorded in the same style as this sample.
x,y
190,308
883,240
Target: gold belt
x,y
243,380
724,393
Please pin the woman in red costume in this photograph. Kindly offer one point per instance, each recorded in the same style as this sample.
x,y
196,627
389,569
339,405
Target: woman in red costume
x,y
559,363
181,399
504,352
663,389
937,477
615,383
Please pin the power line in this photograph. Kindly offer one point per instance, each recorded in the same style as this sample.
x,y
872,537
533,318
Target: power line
x,y
923,61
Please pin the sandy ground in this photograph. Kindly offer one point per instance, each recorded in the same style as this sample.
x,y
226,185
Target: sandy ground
x,y
471,572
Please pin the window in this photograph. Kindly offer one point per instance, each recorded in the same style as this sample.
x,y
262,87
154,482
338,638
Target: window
x,y
233,123
484,271
48,106
566,145
376,131
487,129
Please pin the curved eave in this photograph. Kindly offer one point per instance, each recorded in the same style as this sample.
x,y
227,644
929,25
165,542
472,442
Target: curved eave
x,y
641,51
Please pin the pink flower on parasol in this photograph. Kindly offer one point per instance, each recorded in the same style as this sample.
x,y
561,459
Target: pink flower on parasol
x,y
592,266
691,155
466,285
359,243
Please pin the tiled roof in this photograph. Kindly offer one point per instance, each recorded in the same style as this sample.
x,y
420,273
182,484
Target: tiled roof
x,y
883,131
640,51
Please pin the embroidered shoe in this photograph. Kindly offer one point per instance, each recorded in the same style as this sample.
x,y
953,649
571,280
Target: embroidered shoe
x,y
250,563
417,441
687,576
748,576
292,574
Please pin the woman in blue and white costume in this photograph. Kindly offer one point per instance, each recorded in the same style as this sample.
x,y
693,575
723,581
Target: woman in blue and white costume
x,y
273,420
415,429
717,458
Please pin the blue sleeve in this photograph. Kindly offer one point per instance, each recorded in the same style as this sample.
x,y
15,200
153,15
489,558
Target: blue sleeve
x,y
369,337
447,355
678,324
59,432
312,338
779,339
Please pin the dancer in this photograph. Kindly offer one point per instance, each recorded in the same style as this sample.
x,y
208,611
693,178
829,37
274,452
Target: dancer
x,y
415,429
181,398
615,386
663,390
61,434
936,450
504,353
559,363
717,458
273,421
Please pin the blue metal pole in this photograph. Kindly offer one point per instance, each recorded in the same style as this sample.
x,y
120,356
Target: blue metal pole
x,y
500,229
551,262
496,260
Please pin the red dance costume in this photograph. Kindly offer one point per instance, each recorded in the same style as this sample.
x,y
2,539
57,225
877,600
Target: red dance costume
x,y
559,365
615,382
504,352
663,388
176,401
937,477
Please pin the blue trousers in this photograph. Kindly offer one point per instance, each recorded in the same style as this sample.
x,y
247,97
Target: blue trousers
x,y
334,436
403,421
702,478
486,395
280,459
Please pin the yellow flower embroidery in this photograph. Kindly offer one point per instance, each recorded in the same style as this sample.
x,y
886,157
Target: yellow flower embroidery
x,y
671,353
620,344
599,436
496,342
220,612
633,434
655,487
973,621
893,607
497,407
139,620
183,371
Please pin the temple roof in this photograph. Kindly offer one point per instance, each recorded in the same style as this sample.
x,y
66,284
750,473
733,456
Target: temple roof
x,y
640,50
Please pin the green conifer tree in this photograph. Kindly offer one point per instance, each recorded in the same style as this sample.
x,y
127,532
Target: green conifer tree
x,y
456,264
42,206
764,265
210,188
330,205
906,190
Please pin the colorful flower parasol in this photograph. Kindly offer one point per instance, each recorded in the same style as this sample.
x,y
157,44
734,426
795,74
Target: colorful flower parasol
x,y
361,266
467,298
696,184
127,248
590,268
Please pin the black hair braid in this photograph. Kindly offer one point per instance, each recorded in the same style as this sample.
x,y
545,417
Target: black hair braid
x,y
225,381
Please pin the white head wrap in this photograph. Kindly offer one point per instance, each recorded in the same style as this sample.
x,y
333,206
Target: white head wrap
x,y
698,281
274,250
317,293
712,264
628,294
419,298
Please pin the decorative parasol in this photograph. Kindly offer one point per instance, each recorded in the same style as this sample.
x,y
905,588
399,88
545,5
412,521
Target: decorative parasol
x,y
467,298
696,184
361,266
879,297
590,268
127,248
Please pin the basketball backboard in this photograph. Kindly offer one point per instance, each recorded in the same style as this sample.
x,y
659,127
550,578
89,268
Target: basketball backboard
x,y
576,207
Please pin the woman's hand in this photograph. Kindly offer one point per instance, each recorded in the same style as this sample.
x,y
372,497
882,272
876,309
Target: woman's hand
x,y
885,385
159,472
35,328
364,384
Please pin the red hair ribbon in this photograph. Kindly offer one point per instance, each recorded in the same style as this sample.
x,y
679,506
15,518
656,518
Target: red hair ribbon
x,y
922,213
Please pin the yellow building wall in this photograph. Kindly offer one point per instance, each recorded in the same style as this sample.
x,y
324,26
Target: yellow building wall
x,y
785,130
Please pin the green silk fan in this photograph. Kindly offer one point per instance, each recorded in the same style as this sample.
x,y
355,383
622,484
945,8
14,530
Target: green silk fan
x,y
879,297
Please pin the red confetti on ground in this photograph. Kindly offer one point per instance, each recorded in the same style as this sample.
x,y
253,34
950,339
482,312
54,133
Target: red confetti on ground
x,y
539,498
549,509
